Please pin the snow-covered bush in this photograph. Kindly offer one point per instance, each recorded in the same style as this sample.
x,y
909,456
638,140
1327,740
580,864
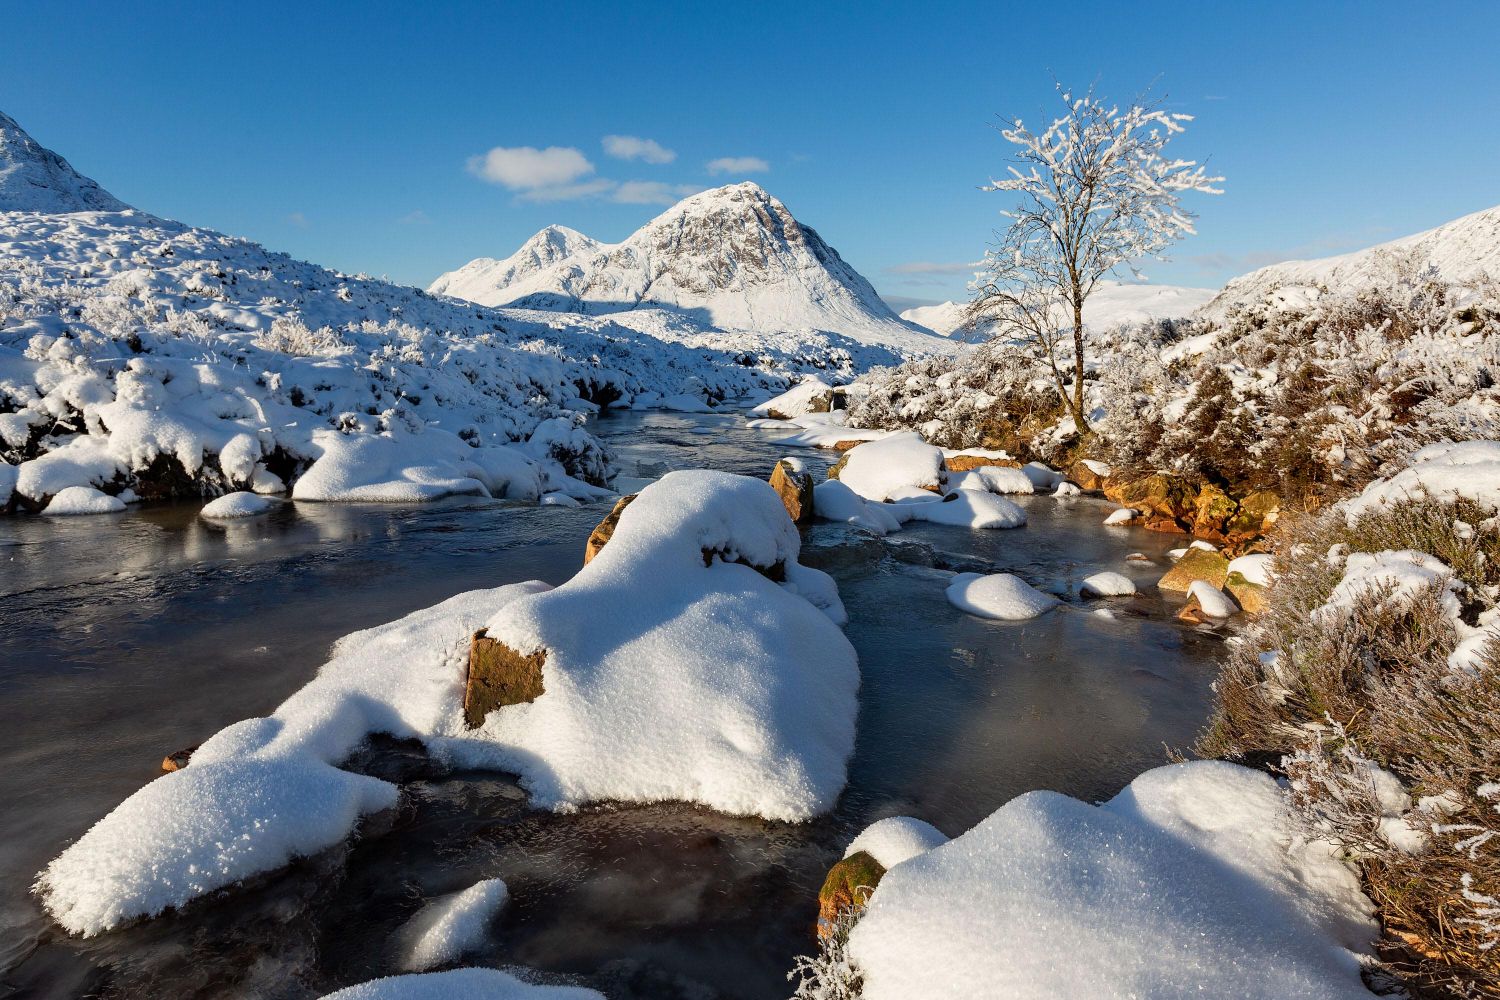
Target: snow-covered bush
x,y
1373,677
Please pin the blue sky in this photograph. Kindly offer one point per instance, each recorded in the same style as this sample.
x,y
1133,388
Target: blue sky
x,y
347,134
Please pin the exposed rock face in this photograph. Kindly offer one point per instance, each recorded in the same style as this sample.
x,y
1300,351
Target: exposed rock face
x,y
966,463
177,759
601,534
1193,614
1214,510
794,485
499,676
1157,496
35,179
1080,472
847,885
846,445
1256,513
1196,564
1251,596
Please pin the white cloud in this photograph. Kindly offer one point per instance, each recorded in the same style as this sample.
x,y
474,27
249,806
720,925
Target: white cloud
x,y
630,147
569,192
653,192
526,168
738,165
414,218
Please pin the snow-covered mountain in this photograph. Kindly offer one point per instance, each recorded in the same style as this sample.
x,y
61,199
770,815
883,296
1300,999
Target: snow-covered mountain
x,y
35,179
733,257
140,354
1459,251
1112,304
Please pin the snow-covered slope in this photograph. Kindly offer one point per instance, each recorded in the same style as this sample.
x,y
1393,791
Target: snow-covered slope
x,y
1460,251
1112,303
732,257
142,354
35,179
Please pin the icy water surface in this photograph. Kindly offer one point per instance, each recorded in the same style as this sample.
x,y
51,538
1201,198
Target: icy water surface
x,y
124,637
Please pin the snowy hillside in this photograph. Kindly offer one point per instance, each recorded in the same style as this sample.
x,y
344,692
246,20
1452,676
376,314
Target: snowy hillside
x,y
733,258
139,354
35,179
1112,304
1460,251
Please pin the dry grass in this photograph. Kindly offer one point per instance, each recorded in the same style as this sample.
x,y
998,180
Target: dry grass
x,y
1372,684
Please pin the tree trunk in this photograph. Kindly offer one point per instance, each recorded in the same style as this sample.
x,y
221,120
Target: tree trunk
x,y
1078,417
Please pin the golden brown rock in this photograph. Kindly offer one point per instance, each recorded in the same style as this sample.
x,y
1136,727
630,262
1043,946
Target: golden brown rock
x,y
499,676
1086,478
1158,496
1213,511
177,759
1257,512
1250,596
795,487
1196,564
848,885
964,463
606,529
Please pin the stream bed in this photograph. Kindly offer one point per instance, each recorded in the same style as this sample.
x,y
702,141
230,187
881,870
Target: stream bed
x,y
124,637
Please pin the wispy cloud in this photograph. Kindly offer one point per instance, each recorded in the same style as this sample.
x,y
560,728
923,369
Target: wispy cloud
x,y
632,147
569,192
415,218
297,219
652,192
526,168
738,165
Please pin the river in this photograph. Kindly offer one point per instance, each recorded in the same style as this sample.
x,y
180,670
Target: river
x,y
124,637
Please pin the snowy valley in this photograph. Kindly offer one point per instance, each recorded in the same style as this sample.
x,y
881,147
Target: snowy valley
x,y
671,619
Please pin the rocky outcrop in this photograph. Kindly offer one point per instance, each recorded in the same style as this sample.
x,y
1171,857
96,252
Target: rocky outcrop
x,y
794,484
499,676
1174,505
1159,497
1196,564
966,463
606,529
1250,596
1085,475
848,885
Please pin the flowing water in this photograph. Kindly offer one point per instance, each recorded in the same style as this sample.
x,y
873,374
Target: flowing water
x,y
124,637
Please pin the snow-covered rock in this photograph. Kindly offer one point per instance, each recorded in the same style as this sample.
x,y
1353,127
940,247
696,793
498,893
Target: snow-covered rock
x,y
992,479
892,468
1122,516
733,257
1256,568
1212,601
665,679
239,504
1107,584
83,500
445,929
896,839
460,984
998,595
1185,884
811,395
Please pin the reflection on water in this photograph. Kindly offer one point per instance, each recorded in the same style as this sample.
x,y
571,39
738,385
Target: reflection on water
x,y
124,637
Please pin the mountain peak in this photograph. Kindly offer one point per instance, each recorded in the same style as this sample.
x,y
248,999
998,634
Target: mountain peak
x,y
733,257
35,179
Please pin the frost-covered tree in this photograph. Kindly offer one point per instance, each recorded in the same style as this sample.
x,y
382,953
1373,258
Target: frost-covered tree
x,y
1097,191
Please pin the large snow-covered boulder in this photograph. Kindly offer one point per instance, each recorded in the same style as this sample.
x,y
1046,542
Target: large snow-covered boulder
x,y
1185,884
812,395
897,467
674,669
460,984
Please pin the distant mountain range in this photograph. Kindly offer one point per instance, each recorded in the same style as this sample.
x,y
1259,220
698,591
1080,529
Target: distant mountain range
x,y
1111,304
35,179
733,258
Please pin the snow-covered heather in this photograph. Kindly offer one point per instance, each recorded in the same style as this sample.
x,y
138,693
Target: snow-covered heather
x,y
138,350
665,679
445,929
1469,469
237,504
1184,884
732,257
460,984
669,679
998,595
